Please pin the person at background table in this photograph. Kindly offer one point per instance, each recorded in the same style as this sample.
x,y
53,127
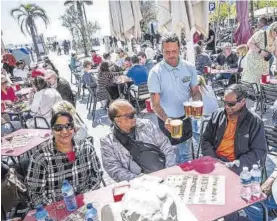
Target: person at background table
x,y
54,162
256,65
211,40
235,133
7,92
112,66
269,187
5,73
121,57
61,85
43,101
105,88
49,65
80,127
36,71
88,79
158,56
201,59
127,65
96,59
9,62
148,50
20,70
147,63
117,160
138,73
73,61
171,83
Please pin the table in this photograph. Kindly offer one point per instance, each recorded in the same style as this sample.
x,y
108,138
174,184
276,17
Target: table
x,y
24,91
34,136
104,196
229,71
121,80
18,112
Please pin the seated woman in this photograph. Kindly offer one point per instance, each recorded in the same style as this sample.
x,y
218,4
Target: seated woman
x,y
81,128
106,90
61,158
7,92
88,78
44,99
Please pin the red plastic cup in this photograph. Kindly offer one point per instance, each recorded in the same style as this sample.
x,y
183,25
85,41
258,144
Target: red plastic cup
x,y
148,105
3,107
119,192
17,87
265,78
206,69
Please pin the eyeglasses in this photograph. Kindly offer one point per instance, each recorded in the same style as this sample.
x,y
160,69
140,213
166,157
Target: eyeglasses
x,y
129,116
232,104
60,127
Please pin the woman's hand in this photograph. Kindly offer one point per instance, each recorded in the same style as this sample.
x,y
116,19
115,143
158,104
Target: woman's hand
x,y
267,185
264,53
167,124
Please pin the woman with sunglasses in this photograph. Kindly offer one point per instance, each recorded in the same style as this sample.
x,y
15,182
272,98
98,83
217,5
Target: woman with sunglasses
x,y
61,158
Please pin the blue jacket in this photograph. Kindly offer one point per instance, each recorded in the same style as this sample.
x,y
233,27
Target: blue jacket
x,y
138,74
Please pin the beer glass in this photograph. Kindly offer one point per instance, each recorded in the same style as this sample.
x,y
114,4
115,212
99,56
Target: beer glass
x,y
188,109
197,109
176,128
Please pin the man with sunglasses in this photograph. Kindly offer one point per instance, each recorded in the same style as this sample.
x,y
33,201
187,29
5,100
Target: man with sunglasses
x,y
117,160
235,133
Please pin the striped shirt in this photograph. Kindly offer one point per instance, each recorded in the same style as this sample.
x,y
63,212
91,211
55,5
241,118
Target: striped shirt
x,y
49,167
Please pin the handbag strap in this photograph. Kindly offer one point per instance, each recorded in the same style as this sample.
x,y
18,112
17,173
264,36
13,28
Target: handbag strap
x,y
265,40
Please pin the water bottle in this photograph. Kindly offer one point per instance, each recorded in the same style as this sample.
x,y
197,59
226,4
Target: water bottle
x,y
69,196
245,178
256,181
91,214
41,213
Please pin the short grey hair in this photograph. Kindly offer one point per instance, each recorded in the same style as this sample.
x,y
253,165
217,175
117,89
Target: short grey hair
x,y
115,107
49,73
238,89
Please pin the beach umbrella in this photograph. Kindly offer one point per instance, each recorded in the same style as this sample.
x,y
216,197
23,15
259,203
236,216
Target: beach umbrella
x,y
243,32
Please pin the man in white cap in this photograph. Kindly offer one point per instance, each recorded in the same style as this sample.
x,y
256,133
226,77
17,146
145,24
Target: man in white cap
x,y
61,85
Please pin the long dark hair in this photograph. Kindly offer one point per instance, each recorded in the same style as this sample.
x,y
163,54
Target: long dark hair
x,y
40,83
104,67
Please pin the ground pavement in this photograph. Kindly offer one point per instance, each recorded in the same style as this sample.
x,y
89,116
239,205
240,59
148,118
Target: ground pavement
x,y
102,126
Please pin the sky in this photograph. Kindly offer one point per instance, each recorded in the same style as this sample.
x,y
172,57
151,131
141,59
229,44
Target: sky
x,y
11,31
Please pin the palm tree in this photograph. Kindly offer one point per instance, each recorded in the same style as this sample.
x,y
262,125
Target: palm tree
x,y
82,16
26,14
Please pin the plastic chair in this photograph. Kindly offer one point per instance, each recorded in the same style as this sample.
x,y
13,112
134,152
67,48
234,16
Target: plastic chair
x,y
47,126
269,96
141,94
271,138
204,123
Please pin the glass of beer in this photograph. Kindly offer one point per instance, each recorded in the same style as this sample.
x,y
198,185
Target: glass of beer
x,y
197,109
188,109
176,128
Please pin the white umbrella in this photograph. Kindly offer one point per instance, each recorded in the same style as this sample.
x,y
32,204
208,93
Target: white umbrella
x,y
175,15
125,17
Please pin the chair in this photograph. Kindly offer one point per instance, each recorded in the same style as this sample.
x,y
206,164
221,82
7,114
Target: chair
x,y
7,128
204,123
139,95
91,140
38,126
254,93
71,71
78,83
75,98
271,138
16,79
269,96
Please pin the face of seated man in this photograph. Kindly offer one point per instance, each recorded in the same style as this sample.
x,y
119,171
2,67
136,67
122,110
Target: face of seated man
x,y
125,118
233,104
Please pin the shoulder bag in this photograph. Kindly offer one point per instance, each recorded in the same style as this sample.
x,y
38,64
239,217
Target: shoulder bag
x,y
269,56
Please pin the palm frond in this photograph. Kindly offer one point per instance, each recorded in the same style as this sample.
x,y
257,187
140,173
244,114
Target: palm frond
x,y
15,11
43,17
28,25
68,3
21,26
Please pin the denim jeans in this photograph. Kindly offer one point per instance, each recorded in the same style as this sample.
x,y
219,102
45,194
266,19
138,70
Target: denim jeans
x,y
255,212
183,152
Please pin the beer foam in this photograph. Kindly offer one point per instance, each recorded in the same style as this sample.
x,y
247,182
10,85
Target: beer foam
x,y
197,103
176,122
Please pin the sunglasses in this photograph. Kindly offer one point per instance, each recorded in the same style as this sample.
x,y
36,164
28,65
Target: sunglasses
x,y
129,116
232,104
60,127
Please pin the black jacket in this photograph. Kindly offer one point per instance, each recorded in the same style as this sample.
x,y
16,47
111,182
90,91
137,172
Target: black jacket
x,y
65,91
231,60
250,140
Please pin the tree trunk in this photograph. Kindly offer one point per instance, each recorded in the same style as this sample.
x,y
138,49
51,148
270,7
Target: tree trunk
x,y
85,14
33,34
83,29
252,12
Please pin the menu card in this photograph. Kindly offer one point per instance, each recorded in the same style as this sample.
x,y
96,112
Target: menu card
x,y
198,189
